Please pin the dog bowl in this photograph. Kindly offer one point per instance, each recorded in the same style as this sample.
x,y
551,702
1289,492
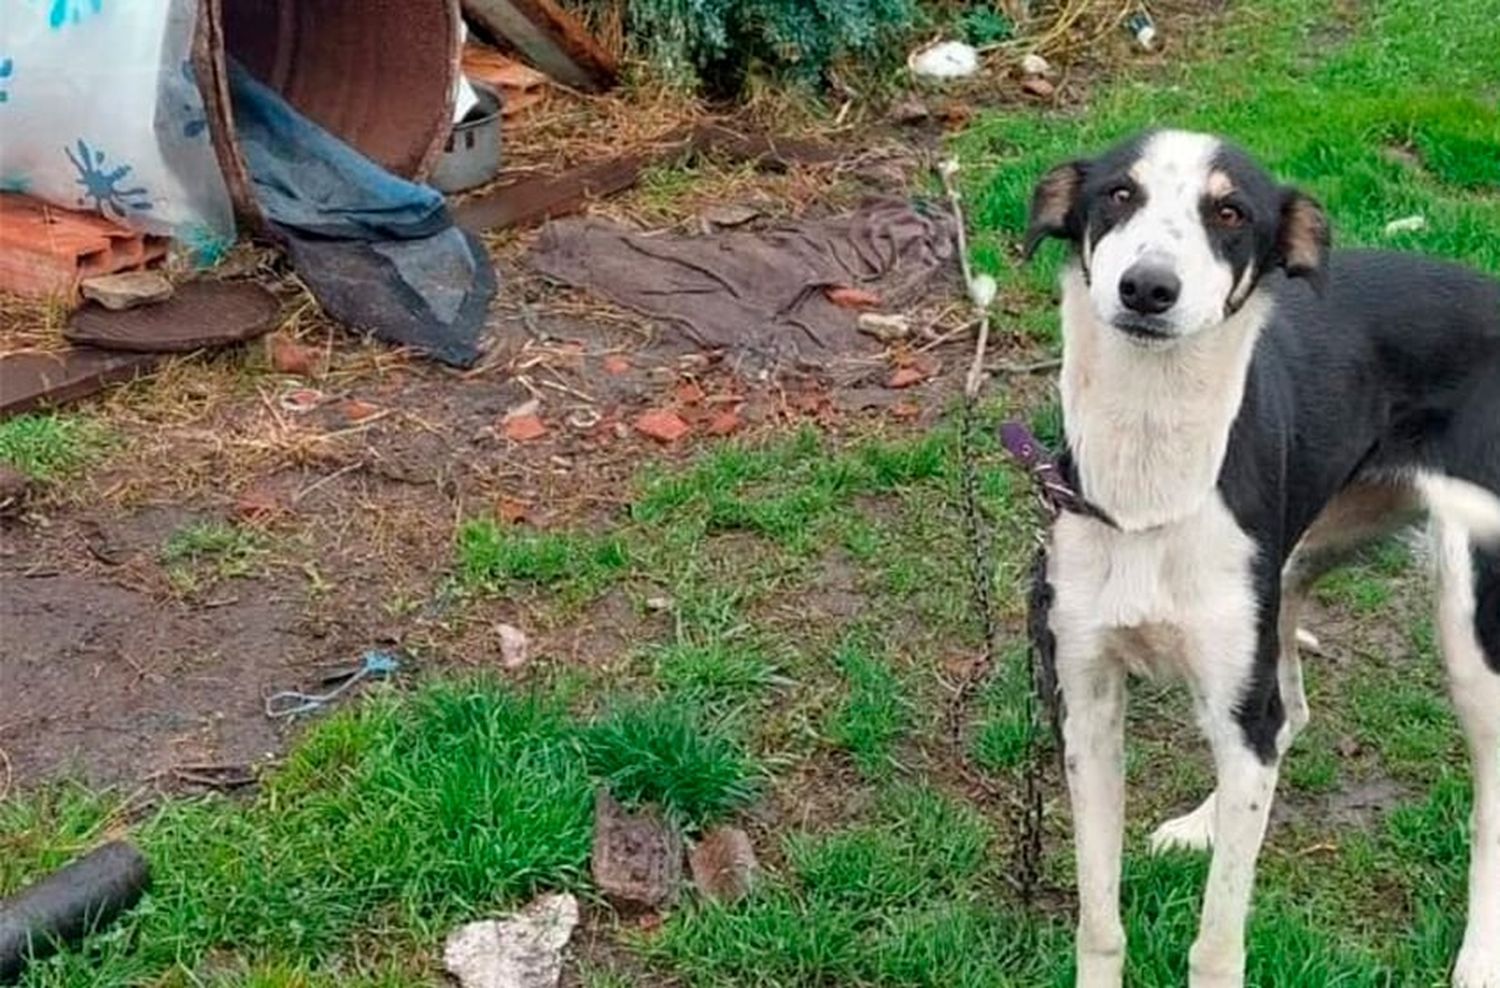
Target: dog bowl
x,y
471,156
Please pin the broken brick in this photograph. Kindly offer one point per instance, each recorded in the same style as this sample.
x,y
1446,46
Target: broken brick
x,y
905,377
525,428
617,364
290,357
847,297
257,505
637,857
724,423
511,510
724,865
688,393
905,410
356,411
663,425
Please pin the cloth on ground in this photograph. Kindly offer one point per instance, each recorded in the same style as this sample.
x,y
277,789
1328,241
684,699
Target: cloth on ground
x,y
380,253
760,292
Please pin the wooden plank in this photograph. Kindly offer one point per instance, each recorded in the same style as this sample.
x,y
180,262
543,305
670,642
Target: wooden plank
x,y
29,381
534,200
550,38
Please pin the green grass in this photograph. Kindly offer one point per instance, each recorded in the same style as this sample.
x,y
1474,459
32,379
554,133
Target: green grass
x,y
204,553
52,446
875,714
492,558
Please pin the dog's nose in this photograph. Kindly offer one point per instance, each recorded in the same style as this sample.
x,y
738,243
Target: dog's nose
x,y
1149,289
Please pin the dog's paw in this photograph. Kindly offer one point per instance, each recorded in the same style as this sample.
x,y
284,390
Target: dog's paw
x,y
1193,832
1478,967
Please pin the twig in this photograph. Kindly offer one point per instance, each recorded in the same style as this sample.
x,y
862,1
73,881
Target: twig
x,y
1040,367
975,379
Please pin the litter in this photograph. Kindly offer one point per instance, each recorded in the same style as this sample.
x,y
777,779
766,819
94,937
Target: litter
x,y
757,292
293,703
944,61
1033,64
1406,224
472,155
29,381
70,904
381,254
1142,29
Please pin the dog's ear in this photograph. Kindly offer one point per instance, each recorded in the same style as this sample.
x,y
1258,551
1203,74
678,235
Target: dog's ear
x,y
1055,206
1302,240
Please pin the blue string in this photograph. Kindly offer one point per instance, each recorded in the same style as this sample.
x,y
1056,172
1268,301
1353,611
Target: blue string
x,y
293,703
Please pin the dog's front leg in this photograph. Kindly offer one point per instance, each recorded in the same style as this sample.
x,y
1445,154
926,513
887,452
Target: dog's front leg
x,y
1239,704
1093,690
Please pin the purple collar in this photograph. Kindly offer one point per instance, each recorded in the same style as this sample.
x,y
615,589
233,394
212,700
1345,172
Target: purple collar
x,y
1056,493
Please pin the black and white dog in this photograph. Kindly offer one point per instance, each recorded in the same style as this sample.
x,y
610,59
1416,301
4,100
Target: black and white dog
x,y
1242,406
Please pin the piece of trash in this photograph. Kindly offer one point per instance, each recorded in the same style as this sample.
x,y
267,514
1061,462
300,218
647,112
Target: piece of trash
x,y
300,401
584,419
944,60
658,604
846,297
886,328
1143,29
374,664
524,950
515,647
63,908
126,290
906,377
909,110
1406,224
663,425
637,858
724,865
290,357
524,428
1035,65
531,406
471,155
730,215
1038,87
982,290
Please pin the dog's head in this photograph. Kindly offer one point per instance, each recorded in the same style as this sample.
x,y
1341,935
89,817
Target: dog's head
x,y
1174,231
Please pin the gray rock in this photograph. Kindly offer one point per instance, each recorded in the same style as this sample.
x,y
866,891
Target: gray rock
x,y
724,864
127,290
637,859
524,950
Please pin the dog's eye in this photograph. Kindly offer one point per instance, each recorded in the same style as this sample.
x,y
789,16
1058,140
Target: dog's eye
x,y
1230,215
1121,194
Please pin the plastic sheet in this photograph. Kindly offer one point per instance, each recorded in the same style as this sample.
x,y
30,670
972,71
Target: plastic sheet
x,y
99,110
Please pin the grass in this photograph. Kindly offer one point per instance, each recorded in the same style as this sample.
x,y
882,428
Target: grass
x,y
205,553
52,446
794,681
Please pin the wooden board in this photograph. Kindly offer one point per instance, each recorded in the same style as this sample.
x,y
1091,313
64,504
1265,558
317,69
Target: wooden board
x,y
549,37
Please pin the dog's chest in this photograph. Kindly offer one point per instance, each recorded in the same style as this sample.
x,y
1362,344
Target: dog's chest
x,y
1157,596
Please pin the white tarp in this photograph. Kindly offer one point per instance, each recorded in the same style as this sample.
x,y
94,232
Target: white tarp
x,y
99,110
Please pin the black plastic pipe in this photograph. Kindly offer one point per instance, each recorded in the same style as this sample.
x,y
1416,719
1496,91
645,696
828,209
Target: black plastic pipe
x,y
68,905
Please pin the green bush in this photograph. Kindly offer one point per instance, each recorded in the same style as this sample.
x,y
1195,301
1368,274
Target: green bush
x,y
716,42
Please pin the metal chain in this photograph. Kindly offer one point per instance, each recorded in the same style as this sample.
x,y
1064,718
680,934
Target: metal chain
x,y
1028,817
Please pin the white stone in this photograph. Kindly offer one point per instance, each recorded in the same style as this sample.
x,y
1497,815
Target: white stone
x,y
944,60
524,950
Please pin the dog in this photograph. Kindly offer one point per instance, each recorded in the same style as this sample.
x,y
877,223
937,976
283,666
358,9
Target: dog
x,y
1242,408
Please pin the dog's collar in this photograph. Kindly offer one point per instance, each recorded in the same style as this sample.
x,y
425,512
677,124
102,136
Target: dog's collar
x,y
1056,493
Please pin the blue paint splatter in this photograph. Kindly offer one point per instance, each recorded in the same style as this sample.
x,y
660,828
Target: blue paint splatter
x,y
101,183
63,12
15,183
7,69
197,118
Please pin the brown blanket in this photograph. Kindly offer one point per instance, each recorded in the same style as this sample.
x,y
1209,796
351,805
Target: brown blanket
x,y
761,291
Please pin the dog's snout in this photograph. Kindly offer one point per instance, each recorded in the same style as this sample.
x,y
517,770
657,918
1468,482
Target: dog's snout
x,y
1149,289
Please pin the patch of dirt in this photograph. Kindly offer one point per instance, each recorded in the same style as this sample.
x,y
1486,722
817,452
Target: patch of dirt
x,y
1359,805
115,685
